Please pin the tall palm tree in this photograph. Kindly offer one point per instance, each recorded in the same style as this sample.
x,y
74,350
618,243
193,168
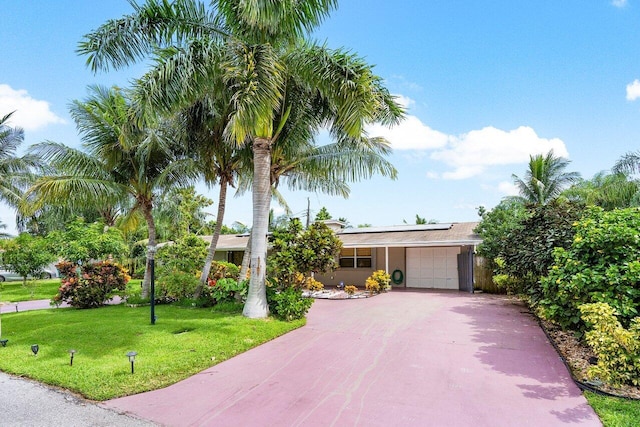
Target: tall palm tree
x,y
262,48
16,173
609,191
545,178
126,162
628,164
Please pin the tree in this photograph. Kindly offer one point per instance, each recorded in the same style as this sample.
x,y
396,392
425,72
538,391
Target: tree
x,y
496,224
127,162
323,214
609,191
628,164
26,255
527,249
81,242
545,178
15,172
262,46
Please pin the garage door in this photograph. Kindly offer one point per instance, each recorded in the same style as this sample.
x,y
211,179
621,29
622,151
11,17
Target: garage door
x,y
435,268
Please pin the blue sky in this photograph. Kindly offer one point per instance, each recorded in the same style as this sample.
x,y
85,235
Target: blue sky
x,y
486,83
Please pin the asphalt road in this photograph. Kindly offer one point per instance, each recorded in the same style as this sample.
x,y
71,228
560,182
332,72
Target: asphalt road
x,y
28,403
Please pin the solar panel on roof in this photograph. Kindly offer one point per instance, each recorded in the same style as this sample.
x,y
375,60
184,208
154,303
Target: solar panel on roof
x,y
391,228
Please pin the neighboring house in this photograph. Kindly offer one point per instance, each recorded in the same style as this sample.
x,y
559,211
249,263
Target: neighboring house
x,y
431,256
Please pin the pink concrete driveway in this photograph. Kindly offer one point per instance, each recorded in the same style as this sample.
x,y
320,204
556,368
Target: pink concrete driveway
x,y
399,359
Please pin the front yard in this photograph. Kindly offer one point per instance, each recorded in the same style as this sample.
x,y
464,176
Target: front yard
x,y
184,341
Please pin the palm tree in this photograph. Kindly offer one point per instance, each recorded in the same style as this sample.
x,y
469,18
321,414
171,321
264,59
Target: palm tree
x,y
15,172
126,163
628,164
609,191
262,48
545,178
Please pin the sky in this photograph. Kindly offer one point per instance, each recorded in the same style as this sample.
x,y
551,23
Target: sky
x,y
486,84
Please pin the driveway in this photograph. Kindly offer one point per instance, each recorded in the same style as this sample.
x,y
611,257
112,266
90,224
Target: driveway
x,y
399,359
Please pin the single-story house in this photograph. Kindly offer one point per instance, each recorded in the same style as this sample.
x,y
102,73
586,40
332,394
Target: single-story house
x,y
430,256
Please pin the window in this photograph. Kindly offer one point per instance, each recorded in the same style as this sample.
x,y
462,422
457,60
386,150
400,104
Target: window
x,y
355,258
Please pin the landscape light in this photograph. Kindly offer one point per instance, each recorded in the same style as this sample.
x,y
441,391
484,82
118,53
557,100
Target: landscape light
x,y
71,353
35,349
132,357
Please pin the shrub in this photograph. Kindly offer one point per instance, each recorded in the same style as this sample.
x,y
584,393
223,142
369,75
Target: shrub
x,y
227,290
350,289
313,285
223,270
372,286
289,304
617,348
378,282
602,265
96,284
511,285
175,285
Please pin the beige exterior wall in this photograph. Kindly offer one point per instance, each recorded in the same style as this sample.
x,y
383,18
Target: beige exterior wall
x,y
357,276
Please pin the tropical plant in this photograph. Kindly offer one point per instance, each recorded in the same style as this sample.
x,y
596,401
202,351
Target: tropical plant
x,y
495,225
617,348
601,265
16,173
97,284
351,289
609,191
628,164
262,48
81,242
126,163
545,178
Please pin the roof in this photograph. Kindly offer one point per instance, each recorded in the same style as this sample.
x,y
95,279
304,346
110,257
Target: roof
x,y
229,242
450,234
453,234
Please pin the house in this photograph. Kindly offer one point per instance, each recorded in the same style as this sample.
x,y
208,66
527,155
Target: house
x,y
430,256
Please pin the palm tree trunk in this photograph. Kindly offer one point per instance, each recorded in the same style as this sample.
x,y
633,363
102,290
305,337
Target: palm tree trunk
x,y
222,204
244,268
151,248
256,305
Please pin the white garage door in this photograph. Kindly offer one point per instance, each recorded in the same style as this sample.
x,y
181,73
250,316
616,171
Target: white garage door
x,y
435,268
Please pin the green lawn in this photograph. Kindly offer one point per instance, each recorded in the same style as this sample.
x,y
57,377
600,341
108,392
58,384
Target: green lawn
x,y
615,412
183,342
35,289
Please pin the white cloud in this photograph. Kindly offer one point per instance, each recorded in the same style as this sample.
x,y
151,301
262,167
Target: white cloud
x,y
410,134
633,90
472,153
405,101
508,188
619,3
30,113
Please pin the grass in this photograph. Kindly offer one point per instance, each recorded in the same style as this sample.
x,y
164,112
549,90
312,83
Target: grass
x,y
183,342
35,290
615,412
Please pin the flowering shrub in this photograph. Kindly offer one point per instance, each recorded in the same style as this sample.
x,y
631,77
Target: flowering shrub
x,y
378,282
95,285
372,286
617,348
313,285
350,289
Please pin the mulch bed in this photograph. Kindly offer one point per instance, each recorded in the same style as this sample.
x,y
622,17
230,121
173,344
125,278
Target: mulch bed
x,y
335,294
578,357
